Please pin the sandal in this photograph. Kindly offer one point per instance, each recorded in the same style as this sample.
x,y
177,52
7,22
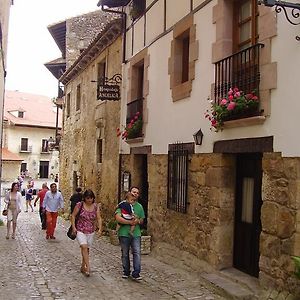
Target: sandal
x,y
13,236
7,237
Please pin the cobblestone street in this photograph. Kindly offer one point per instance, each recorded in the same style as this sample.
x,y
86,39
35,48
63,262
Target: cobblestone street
x,y
35,268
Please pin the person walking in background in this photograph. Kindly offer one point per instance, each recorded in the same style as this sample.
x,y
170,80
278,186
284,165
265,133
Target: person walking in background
x,y
28,197
75,198
40,196
13,200
133,241
85,227
53,201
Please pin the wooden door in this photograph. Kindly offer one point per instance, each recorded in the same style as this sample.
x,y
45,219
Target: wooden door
x,y
247,213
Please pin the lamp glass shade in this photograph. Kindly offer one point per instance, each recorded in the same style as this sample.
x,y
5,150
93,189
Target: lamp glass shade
x,y
198,137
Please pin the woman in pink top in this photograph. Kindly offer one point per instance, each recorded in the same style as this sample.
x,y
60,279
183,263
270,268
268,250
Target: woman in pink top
x,y
85,226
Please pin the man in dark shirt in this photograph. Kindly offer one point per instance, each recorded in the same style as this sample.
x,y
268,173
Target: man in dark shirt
x,y
75,198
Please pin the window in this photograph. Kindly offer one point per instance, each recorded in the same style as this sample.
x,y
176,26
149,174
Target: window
x,y
245,24
44,169
99,150
184,53
68,105
78,97
23,168
24,144
20,114
184,45
177,177
45,145
101,71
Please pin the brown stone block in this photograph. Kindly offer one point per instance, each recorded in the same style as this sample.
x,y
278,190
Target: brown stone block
x,y
270,246
183,25
269,216
265,102
264,263
273,165
223,198
220,50
285,223
267,26
219,177
268,76
296,251
265,53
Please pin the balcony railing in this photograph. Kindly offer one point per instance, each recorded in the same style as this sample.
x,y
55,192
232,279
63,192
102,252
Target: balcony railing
x,y
239,70
135,112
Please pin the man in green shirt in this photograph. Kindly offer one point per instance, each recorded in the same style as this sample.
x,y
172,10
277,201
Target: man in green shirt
x,y
134,241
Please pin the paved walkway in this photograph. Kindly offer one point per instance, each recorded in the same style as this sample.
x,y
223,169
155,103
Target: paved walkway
x,y
35,268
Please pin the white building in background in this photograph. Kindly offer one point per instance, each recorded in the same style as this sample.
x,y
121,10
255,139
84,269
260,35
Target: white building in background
x,y
29,122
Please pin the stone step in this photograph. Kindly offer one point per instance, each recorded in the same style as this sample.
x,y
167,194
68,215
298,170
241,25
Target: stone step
x,y
249,282
228,288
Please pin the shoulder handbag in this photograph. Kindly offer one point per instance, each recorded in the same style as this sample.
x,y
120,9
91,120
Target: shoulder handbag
x,y
5,211
70,232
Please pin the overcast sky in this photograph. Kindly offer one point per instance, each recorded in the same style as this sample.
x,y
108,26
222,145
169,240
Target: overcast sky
x,y
30,44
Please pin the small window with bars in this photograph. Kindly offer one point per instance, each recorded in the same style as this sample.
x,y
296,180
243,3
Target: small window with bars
x,y
178,177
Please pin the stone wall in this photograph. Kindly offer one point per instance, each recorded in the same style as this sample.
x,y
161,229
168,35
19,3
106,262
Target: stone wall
x,y
95,120
280,216
82,30
206,230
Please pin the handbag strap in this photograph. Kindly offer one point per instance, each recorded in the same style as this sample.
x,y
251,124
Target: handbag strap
x,y
78,214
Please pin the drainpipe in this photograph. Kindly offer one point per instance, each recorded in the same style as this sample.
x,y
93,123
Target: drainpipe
x,y
124,17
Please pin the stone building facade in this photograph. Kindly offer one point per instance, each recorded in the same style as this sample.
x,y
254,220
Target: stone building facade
x,y
232,199
89,149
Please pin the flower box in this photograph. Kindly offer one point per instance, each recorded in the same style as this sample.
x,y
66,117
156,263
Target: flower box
x,y
236,105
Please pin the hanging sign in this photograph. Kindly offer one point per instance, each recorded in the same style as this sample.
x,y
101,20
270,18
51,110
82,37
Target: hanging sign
x,y
109,88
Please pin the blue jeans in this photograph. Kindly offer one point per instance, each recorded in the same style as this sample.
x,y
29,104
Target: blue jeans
x,y
135,244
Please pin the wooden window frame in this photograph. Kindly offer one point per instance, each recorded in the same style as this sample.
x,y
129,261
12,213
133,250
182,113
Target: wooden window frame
x,y
237,45
184,53
24,144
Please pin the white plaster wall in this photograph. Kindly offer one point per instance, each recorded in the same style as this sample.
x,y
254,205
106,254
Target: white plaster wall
x,y
10,170
176,12
170,121
13,137
155,17
138,35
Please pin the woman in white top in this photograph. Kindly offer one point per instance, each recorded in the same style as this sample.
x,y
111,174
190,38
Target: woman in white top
x,y
13,200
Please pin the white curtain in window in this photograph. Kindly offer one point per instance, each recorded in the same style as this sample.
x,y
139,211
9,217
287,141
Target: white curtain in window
x,y
247,201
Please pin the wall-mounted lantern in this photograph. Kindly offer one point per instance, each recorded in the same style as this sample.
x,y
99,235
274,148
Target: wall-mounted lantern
x,y
198,137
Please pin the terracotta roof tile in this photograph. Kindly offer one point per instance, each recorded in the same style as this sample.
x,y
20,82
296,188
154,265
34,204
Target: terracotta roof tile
x,y
38,110
8,156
